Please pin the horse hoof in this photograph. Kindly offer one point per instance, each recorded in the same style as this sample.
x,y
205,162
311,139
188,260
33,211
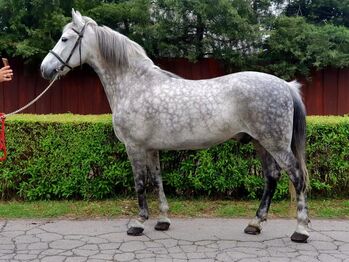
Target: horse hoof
x,y
251,230
135,231
299,238
162,226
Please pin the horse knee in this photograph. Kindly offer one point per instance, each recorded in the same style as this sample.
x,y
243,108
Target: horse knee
x,y
297,179
291,165
158,182
299,184
140,187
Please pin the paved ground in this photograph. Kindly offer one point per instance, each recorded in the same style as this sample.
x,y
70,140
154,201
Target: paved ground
x,y
187,240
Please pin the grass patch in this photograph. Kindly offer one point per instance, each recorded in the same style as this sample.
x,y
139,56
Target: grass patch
x,y
331,208
126,207
237,209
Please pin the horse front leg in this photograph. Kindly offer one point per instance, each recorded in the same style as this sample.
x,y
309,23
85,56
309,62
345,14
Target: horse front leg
x,y
153,163
138,159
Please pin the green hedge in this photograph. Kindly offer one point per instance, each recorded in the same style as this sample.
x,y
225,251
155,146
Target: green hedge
x,y
78,157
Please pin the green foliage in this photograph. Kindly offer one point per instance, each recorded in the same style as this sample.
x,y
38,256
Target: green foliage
x,y
321,11
29,27
329,155
131,18
78,157
220,170
53,159
295,47
246,35
195,29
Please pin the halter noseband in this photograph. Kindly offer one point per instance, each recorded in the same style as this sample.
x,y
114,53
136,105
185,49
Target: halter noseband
x,y
77,43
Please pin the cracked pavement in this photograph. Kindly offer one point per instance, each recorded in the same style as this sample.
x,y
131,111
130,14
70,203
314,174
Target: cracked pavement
x,y
187,240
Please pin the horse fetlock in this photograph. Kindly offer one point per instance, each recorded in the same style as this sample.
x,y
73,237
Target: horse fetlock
x,y
140,188
143,215
257,222
164,209
143,211
139,222
164,219
302,229
262,215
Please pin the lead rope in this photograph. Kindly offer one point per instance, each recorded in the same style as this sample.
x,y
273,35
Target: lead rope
x,y
3,151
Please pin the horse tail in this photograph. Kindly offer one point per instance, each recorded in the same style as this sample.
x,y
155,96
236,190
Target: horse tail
x,y
299,130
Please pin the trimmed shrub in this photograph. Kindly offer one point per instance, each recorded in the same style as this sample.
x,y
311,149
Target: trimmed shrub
x,y
328,155
63,157
78,157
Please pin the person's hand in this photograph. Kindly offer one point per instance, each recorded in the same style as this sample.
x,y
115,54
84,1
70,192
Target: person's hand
x,y
6,74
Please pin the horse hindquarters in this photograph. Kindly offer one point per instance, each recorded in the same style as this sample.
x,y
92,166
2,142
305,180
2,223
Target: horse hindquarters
x,y
299,177
292,160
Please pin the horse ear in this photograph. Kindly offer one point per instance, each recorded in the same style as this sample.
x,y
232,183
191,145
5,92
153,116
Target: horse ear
x,y
77,18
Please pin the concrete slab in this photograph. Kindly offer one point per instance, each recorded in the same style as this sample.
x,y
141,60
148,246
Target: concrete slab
x,y
187,240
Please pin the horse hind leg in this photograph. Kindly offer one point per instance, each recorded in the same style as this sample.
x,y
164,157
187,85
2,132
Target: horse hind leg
x,y
271,172
297,175
137,157
153,163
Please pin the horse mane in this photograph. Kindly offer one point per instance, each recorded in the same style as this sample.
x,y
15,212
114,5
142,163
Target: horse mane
x,y
117,49
120,51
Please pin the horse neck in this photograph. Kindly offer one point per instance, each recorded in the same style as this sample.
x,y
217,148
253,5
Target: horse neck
x,y
119,82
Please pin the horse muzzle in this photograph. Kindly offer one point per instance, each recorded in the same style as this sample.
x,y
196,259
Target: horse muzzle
x,y
48,74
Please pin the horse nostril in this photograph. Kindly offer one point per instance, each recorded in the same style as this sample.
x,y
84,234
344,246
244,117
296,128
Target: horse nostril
x,y
46,74
42,69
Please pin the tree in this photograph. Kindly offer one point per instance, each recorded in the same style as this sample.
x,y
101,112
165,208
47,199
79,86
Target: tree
x,y
244,34
321,11
27,28
131,18
295,47
195,29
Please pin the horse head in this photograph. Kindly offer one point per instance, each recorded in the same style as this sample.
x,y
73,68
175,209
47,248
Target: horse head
x,y
72,49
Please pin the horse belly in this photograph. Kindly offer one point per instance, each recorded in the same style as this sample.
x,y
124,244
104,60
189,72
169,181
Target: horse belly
x,y
193,137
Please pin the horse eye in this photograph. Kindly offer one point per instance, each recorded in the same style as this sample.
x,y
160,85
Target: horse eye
x,y
64,39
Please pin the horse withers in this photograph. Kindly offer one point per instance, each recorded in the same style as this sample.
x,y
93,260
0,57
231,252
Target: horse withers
x,y
154,110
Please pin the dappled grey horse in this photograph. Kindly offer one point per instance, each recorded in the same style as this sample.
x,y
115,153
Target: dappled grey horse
x,y
154,110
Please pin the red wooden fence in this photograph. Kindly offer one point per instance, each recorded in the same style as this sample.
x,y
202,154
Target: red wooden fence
x,y
81,92
328,92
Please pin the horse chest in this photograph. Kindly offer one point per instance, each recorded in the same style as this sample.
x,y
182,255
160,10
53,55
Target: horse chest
x,y
130,126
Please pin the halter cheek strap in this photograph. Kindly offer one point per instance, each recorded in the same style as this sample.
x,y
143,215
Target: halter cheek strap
x,y
77,43
64,64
